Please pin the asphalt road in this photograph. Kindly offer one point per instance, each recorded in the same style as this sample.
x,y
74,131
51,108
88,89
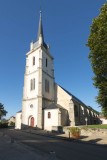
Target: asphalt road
x,y
64,150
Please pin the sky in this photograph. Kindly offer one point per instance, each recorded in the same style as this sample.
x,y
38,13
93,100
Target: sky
x,y
66,25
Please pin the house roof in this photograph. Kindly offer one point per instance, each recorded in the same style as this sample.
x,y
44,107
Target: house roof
x,y
12,117
19,111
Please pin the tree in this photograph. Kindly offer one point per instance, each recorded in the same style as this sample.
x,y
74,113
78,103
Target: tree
x,y
3,112
97,42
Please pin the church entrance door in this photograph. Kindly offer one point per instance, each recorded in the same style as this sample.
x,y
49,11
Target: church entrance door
x,y
32,122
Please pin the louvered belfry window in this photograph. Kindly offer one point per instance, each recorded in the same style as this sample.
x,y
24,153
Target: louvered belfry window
x,y
32,84
46,85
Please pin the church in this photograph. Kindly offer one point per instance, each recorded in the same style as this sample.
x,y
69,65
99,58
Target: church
x,y
45,104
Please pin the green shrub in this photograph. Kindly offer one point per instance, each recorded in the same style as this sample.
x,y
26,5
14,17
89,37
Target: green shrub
x,y
12,123
75,131
3,125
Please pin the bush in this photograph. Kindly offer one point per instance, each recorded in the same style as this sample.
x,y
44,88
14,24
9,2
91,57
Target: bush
x,y
75,131
12,124
3,125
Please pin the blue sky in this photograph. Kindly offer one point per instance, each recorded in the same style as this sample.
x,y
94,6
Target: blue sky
x,y
66,26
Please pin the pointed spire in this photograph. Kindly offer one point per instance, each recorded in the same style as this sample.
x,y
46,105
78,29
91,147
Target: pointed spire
x,y
40,29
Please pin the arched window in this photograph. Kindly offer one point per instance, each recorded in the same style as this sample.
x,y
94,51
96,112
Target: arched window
x,y
49,114
33,61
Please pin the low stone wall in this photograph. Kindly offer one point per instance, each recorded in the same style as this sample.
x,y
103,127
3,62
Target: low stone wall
x,y
89,132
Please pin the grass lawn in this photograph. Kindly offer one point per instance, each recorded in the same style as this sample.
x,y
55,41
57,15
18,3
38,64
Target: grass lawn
x,y
100,126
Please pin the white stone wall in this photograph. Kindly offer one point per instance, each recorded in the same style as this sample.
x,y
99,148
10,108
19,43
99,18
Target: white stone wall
x,y
49,95
49,68
39,72
53,121
18,120
29,61
65,100
47,73
29,112
28,93
31,73
62,98
30,97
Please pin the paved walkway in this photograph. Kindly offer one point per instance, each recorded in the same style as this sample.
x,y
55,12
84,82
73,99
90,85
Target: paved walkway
x,y
9,150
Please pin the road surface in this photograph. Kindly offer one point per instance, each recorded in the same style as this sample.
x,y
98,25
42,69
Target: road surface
x,y
64,150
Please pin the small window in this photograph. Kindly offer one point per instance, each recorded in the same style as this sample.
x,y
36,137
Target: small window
x,y
33,61
49,114
32,84
46,85
46,62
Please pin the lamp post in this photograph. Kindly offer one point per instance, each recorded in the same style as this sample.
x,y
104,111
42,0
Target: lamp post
x,y
86,120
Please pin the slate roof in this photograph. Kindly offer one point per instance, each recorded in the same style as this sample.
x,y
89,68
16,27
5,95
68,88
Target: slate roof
x,y
19,111
54,106
40,31
79,101
74,97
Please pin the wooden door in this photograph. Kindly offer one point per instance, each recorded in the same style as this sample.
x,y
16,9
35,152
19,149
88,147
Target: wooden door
x,y
32,122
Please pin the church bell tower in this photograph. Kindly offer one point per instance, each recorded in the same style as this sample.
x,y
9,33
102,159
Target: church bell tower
x,y
38,90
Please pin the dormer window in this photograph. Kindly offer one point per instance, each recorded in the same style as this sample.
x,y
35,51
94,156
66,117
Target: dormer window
x,y
33,61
